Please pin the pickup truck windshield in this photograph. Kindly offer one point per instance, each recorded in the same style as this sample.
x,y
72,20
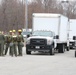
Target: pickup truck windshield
x,y
43,33
25,33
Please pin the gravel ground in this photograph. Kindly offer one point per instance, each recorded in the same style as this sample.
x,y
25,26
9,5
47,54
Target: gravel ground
x,y
39,64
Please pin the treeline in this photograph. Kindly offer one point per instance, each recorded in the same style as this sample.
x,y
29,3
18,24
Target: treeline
x,y
12,12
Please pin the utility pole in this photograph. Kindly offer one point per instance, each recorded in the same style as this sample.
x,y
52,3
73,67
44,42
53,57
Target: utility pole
x,y
26,15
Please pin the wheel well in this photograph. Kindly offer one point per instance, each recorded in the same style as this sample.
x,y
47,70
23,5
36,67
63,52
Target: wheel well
x,y
53,44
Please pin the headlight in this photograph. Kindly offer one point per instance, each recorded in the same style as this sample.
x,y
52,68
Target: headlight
x,y
49,42
28,42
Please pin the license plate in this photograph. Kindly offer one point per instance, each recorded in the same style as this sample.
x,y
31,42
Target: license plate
x,y
37,47
70,44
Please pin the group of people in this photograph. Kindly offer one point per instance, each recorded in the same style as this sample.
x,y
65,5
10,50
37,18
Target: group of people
x,y
12,42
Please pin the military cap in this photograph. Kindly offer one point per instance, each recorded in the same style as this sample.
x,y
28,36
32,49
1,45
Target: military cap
x,y
14,30
19,30
10,31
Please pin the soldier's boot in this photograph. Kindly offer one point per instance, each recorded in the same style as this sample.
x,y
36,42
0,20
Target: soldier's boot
x,y
20,52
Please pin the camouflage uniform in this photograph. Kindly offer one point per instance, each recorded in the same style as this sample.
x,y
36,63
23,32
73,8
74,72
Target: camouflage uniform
x,y
2,39
14,39
8,40
6,47
20,41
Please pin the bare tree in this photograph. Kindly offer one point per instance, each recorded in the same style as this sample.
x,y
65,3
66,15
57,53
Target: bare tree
x,y
12,12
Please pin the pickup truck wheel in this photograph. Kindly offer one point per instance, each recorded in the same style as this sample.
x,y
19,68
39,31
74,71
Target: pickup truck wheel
x,y
70,48
52,51
75,53
28,52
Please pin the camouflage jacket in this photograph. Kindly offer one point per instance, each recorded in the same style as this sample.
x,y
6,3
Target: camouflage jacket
x,y
8,38
14,38
20,38
2,39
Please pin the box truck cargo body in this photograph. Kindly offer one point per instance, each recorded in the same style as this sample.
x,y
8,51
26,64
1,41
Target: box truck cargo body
x,y
55,23
52,22
72,32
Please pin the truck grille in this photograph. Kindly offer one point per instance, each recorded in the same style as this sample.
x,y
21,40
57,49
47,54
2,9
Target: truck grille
x,y
72,43
38,41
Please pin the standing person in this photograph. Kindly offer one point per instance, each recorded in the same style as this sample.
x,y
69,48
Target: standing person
x,y
8,40
20,41
5,36
2,39
2,32
14,39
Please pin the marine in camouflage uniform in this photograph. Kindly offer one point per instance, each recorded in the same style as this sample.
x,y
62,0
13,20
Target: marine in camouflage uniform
x,y
14,39
2,39
20,41
2,32
8,40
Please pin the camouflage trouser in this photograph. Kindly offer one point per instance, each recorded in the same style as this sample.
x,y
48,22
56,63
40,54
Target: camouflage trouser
x,y
14,49
19,49
6,49
1,49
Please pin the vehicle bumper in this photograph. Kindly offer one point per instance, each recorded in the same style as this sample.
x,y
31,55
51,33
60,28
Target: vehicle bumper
x,y
38,48
72,44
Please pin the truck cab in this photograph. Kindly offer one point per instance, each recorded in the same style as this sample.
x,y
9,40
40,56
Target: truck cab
x,y
50,31
41,41
72,33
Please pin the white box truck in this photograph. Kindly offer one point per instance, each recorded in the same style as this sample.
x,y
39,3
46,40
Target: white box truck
x,y
49,33
72,32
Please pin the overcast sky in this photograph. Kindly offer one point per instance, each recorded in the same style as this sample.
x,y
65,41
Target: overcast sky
x,y
67,0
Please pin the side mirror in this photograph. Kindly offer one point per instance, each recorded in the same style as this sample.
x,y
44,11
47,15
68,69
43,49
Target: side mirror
x,y
56,37
28,36
74,37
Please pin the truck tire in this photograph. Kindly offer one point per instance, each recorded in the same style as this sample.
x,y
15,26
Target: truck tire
x,y
75,53
68,48
52,52
61,48
28,52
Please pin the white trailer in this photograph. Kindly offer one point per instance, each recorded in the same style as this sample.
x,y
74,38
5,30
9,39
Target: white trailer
x,y
56,23
72,32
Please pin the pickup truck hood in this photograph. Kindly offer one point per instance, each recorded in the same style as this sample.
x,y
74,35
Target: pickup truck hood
x,y
40,37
